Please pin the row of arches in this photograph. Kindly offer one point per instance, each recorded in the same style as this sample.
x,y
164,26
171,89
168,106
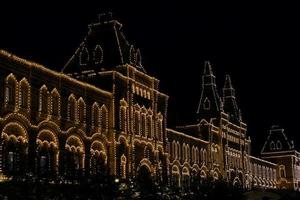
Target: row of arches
x,y
143,122
234,158
96,58
18,96
190,176
184,154
264,172
49,155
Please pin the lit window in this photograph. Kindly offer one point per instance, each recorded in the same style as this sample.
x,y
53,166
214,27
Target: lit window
x,y
72,108
84,56
55,103
98,54
278,145
95,115
137,122
104,118
81,110
10,90
43,108
272,145
24,94
149,126
282,172
206,104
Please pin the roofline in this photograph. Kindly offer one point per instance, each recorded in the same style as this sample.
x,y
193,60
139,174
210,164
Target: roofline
x,y
31,64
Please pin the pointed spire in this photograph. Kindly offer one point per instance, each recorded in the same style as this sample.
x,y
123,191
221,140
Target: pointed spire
x,y
209,104
208,77
230,104
227,82
207,68
228,90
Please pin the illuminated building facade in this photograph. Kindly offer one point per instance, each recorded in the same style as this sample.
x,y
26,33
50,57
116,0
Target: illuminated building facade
x,y
104,113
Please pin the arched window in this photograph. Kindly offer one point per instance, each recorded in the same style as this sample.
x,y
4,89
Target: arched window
x,y
174,150
138,58
123,118
55,103
160,127
272,145
44,95
143,123
204,156
24,94
72,108
98,54
137,122
10,90
84,56
178,151
132,56
149,126
282,172
81,110
123,166
95,115
278,145
206,104
104,118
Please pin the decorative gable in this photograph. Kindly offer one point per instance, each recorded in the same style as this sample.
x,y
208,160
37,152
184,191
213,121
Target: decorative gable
x,y
277,141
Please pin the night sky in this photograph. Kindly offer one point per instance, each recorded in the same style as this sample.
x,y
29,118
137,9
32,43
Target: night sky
x,y
258,45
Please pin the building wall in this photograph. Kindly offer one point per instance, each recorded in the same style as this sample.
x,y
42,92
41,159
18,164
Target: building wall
x,y
115,122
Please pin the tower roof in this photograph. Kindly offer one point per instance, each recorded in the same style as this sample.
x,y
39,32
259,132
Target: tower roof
x,y
104,48
207,68
228,83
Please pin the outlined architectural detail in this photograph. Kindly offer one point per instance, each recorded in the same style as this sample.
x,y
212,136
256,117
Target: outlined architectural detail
x,y
104,114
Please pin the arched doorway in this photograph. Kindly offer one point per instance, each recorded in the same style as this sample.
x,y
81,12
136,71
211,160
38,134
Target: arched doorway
x,y
175,181
144,178
121,158
47,154
14,148
75,154
98,158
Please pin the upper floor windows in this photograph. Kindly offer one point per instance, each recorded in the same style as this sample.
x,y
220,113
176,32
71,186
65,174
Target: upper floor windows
x,y
104,118
98,54
43,100
160,127
81,110
84,56
206,104
24,94
278,145
72,108
123,115
10,90
272,145
143,122
55,103
149,125
95,115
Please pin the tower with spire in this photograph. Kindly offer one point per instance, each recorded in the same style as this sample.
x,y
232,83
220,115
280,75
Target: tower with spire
x,y
210,102
229,101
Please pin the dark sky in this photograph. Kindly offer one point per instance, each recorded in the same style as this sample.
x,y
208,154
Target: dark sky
x,y
257,44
